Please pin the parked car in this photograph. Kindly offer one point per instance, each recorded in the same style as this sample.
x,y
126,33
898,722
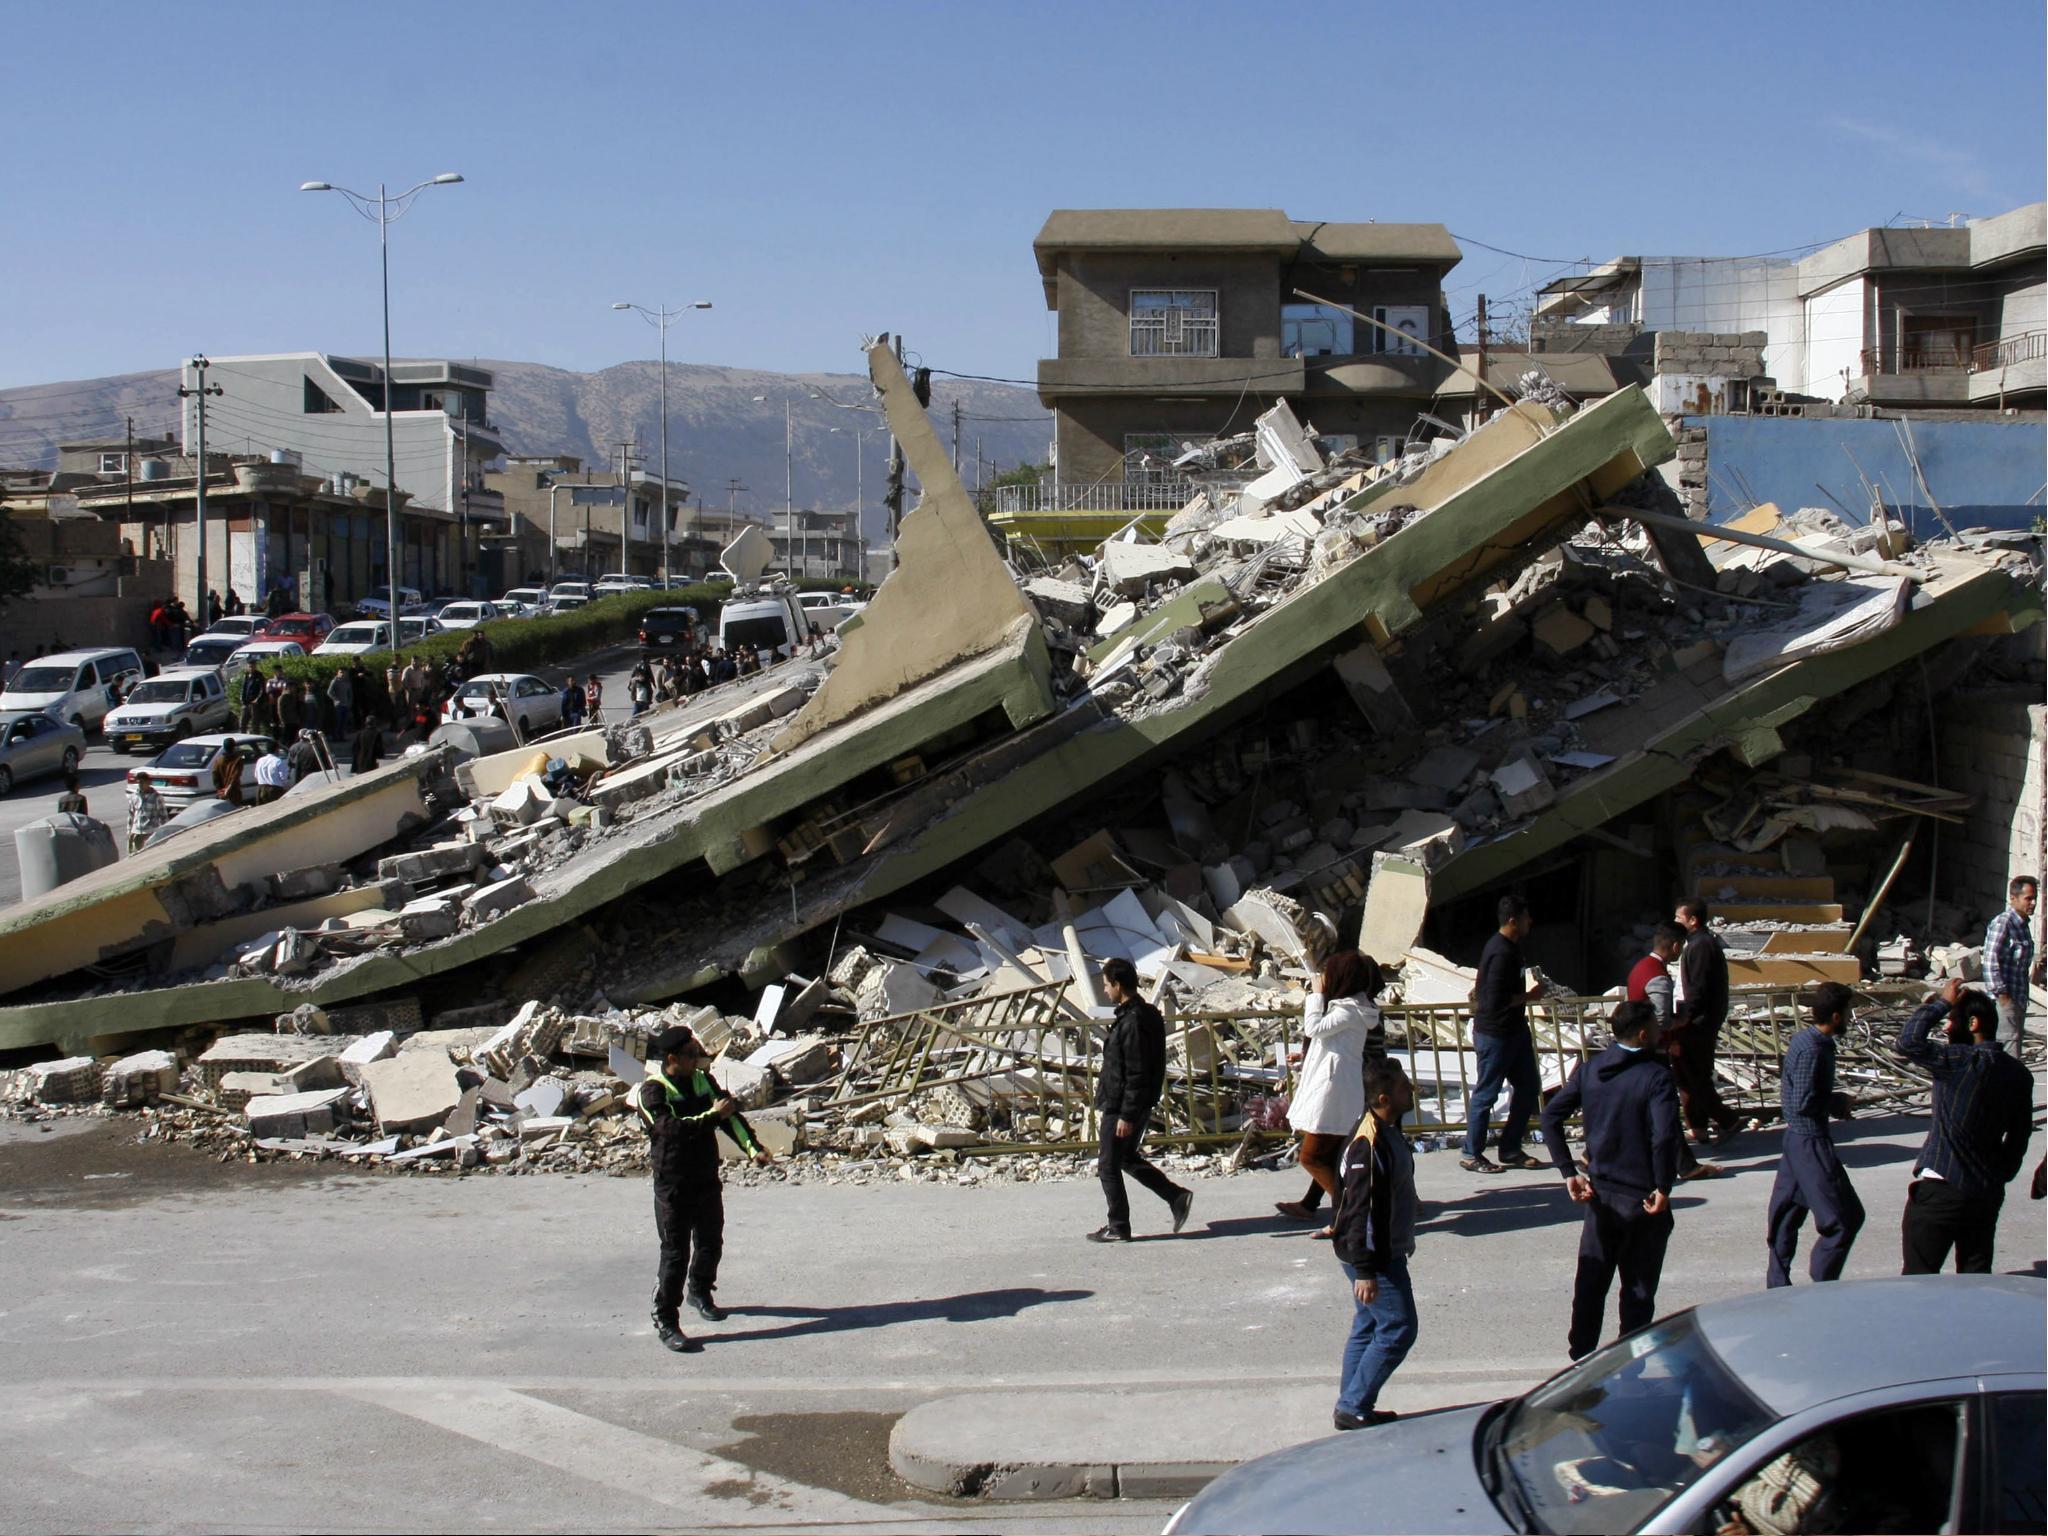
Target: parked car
x,y
827,610
467,615
412,629
667,629
256,652
1683,1425
531,703
769,621
176,703
246,625
306,628
567,589
76,686
529,602
569,603
183,772
378,604
608,586
220,652
357,637
32,743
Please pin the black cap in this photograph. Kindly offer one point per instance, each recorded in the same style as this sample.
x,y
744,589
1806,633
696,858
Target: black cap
x,y
674,1041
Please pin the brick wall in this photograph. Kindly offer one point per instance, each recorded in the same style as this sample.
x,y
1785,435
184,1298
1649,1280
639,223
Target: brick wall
x,y
1996,748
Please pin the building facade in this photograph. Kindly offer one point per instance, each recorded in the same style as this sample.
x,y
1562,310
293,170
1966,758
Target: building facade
x,y
825,546
564,522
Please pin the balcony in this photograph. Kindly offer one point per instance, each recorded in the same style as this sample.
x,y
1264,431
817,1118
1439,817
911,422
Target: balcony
x,y
2012,365
1928,370
1065,519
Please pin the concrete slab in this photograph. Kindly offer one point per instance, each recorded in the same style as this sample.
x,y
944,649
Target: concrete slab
x,y
411,1090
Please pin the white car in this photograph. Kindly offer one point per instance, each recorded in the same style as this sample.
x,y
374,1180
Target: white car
x,y
249,626
469,615
611,586
377,605
176,703
567,589
525,602
256,652
570,604
358,637
531,703
183,772
222,653
828,610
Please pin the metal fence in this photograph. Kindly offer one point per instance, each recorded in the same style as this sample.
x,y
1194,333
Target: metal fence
x,y
2023,348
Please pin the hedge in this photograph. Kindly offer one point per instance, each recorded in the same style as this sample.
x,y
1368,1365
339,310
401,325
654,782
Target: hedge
x,y
527,645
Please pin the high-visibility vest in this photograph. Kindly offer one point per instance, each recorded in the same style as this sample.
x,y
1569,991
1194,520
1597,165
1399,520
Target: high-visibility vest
x,y
700,1083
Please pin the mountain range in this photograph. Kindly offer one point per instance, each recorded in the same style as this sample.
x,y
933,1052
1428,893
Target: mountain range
x,y
726,425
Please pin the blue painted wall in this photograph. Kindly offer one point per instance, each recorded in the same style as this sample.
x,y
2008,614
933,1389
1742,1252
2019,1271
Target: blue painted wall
x,y
1985,474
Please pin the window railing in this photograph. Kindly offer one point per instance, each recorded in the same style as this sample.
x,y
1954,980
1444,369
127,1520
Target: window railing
x,y
2006,351
1169,333
1107,496
1921,354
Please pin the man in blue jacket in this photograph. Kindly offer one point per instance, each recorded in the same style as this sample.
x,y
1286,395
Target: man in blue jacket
x,y
1632,1137
1810,1174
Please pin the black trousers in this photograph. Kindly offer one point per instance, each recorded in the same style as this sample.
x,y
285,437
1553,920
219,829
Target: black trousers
x,y
1619,1235
1119,1156
1811,1178
689,1218
1699,1098
1939,1217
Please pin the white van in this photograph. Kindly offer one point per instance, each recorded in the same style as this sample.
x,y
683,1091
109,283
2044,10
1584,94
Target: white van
x,y
77,686
765,619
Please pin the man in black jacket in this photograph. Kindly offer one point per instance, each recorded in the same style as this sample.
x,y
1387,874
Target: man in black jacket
x,y
1703,968
683,1110
1374,1239
1632,1140
1133,1076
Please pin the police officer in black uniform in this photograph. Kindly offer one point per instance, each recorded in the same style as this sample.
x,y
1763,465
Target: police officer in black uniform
x,y
683,1109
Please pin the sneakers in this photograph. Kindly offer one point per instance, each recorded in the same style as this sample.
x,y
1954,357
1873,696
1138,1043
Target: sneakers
x,y
1372,1416
1480,1164
1108,1234
1180,1205
705,1307
672,1337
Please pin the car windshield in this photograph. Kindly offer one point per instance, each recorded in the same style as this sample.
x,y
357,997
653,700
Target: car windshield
x,y
210,653
158,693
757,633
43,680
1608,1443
187,754
355,634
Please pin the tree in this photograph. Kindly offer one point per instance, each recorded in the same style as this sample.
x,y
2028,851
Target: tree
x,y
18,573
1023,474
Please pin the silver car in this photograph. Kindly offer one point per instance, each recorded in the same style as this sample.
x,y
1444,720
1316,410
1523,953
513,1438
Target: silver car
x,y
183,771
1912,1404
33,743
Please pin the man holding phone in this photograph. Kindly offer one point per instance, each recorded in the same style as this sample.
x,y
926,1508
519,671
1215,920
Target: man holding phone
x,y
683,1110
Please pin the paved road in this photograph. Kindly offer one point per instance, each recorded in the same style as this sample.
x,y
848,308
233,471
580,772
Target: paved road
x,y
191,1345
104,772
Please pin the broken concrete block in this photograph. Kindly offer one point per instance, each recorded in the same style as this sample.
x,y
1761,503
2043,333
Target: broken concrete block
x,y
411,1090
546,1125
778,1138
462,1118
1396,903
751,1086
296,1114
544,1098
1116,618
238,1088
140,1079
1131,568
1445,768
1524,788
893,988
804,1059
1062,600
431,917
535,1030
935,1137
72,1080
523,803
488,901
436,863
1560,631
770,1007
1372,688
317,1075
1599,612
1228,881
1277,921
263,1053
808,999
366,1050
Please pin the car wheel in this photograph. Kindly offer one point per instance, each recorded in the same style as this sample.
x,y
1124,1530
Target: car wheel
x,y
79,721
71,759
6,780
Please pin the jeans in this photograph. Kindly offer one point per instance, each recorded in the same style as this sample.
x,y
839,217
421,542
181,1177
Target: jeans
x,y
1381,1336
1509,1059
343,715
1118,1156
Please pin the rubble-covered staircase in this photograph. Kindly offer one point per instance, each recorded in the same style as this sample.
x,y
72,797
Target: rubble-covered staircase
x,y
1782,928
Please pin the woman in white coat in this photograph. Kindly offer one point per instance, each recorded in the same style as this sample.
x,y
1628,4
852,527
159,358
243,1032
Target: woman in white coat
x,y
1341,1022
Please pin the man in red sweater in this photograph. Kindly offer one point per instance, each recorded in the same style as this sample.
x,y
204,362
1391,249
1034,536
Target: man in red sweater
x,y
1650,982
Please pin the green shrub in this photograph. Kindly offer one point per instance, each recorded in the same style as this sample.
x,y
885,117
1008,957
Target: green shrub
x,y
527,645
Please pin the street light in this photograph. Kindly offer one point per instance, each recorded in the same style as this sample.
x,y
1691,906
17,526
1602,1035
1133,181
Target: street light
x,y
860,437
381,210
788,483
661,319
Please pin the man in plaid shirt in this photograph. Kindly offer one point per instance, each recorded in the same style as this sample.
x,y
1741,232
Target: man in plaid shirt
x,y
2009,959
146,812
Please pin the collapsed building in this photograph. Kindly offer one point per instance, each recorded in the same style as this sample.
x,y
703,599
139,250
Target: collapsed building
x,y
1340,702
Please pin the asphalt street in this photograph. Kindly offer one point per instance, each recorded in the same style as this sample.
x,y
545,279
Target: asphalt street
x,y
103,774
188,1345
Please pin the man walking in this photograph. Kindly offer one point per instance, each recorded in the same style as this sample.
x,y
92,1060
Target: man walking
x,y
1375,1238
1630,1106
1507,1051
1650,982
1983,1116
1702,1010
1133,1076
683,1110
146,812
2009,965
341,693
1810,1176
227,772
572,703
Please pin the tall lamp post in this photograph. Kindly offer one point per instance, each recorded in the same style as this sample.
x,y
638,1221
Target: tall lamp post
x,y
860,435
661,319
381,210
788,485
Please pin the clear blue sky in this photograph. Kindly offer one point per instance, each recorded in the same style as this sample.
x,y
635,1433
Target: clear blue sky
x,y
821,170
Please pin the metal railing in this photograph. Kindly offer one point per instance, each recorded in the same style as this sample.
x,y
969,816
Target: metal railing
x,y
2003,353
1171,333
1931,354
1107,496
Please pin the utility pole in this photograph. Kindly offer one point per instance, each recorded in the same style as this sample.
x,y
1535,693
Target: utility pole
x,y
956,434
1479,394
788,489
893,497
200,365
625,507
128,465
462,517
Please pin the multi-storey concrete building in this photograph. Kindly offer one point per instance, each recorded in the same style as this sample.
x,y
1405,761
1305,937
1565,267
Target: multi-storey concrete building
x,y
564,521
825,546
1178,325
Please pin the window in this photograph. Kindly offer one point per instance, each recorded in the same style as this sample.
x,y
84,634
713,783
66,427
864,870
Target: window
x,y
1936,341
1149,456
113,463
1405,319
2021,1451
318,402
1173,322
1891,1470
1314,330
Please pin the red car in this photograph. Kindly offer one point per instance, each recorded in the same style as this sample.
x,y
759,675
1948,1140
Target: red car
x,y
306,628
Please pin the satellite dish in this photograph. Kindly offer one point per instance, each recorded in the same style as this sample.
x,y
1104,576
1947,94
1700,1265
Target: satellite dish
x,y
747,556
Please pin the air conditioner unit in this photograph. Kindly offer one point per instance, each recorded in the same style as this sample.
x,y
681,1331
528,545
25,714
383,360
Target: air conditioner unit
x,y
59,576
